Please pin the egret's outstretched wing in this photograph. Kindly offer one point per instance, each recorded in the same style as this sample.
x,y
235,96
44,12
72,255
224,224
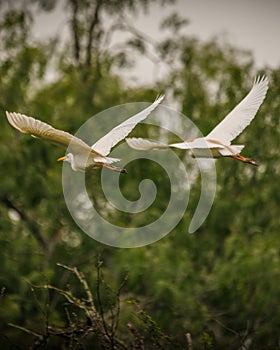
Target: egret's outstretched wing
x,y
199,143
242,115
141,144
37,128
104,145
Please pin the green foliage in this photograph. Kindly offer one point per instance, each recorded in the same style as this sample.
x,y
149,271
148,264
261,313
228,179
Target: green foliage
x,y
219,285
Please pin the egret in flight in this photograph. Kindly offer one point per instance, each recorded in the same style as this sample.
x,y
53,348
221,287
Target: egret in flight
x,y
82,156
218,141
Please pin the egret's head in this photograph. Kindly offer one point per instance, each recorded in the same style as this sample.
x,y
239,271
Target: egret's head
x,y
68,158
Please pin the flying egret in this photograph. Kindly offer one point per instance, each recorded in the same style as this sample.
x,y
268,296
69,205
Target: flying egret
x,y
218,141
82,157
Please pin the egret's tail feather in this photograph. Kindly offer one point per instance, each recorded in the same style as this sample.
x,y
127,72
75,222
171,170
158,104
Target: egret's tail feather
x,y
233,149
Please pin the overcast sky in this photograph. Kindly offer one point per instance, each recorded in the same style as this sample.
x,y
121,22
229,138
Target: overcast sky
x,y
249,24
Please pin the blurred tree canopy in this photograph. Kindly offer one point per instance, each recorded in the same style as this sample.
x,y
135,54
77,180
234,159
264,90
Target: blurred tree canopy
x,y
215,289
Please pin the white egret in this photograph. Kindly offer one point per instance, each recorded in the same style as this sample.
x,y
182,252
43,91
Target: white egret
x,y
82,157
218,141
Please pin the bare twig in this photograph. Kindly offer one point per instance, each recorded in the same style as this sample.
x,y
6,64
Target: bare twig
x,y
89,307
226,328
26,330
40,338
117,316
83,281
78,330
100,305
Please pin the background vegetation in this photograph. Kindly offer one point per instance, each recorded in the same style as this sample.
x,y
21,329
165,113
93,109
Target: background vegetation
x,y
216,289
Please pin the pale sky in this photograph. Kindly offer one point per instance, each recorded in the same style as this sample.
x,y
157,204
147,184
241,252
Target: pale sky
x,y
247,24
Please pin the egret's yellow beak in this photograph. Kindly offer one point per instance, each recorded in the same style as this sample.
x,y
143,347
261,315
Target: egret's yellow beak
x,y
61,158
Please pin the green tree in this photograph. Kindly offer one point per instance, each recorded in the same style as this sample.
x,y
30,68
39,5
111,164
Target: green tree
x,y
220,284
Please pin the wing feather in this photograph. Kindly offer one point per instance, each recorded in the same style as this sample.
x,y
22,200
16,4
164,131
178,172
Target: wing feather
x,y
105,144
37,128
141,144
199,143
242,115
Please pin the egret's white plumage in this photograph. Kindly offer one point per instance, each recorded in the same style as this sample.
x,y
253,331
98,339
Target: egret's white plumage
x,y
242,115
104,145
218,141
82,156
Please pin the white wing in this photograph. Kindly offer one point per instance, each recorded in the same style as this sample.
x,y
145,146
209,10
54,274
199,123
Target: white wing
x,y
144,144
242,115
199,143
104,145
37,128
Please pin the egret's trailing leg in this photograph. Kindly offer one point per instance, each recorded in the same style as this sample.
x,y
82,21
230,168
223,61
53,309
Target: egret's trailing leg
x,y
244,159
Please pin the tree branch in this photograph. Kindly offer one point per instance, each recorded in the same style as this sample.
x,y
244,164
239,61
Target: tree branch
x,y
75,30
93,25
88,307
32,226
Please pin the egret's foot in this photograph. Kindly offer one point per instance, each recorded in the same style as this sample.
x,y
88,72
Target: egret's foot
x,y
244,159
251,161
